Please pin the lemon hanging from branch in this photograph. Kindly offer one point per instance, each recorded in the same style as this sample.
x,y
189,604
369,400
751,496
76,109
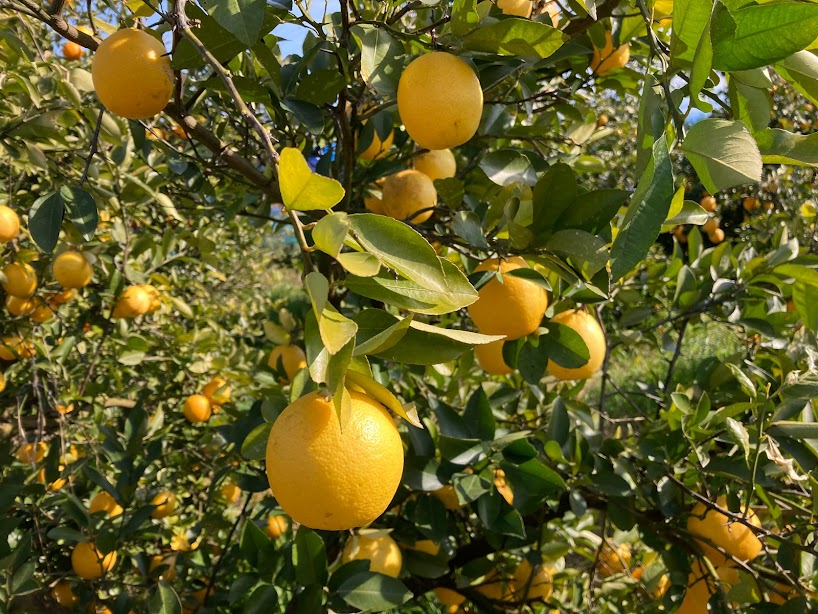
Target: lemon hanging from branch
x,y
303,190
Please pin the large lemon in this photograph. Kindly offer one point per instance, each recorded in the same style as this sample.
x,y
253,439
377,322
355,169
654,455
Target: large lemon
x,y
717,529
197,408
490,358
513,308
104,502
534,584
9,224
701,586
132,74
592,334
89,563
21,279
330,479
383,554
608,59
440,100
437,164
72,270
290,357
133,302
407,192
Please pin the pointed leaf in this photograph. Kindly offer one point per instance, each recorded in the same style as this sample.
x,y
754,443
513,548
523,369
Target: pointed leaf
x,y
723,153
385,397
303,190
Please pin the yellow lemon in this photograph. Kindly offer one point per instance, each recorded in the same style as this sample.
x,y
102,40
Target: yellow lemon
x,y
608,59
217,391
438,164
21,279
613,559
717,529
383,554
104,502
592,334
72,270
89,563
197,408
534,584
165,504
490,358
405,194
290,357
9,224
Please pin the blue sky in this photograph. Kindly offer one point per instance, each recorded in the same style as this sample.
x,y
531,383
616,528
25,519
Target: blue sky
x,y
293,34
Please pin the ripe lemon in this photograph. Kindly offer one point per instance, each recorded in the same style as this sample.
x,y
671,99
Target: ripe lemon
x,y
407,192
717,236
168,563
217,391
518,8
56,484
533,584
701,586
42,311
447,495
104,502
165,503
716,528
277,526
290,357
710,225
133,302
496,587
132,74
9,224
440,100
17,306
353,474
63,594
383,554
377,148
71,51
608,59
21,279
426,546
438,164
60,298
72,270
197,408
490,358
449,597
613,559
513,308
594,338
12,348
32,453
230,491
89,563
155,296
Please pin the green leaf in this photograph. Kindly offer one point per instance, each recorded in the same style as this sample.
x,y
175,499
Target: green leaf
x,y
532,482
335,329
381,58
781,147
45,220
587,253
464,17
385,397
798,272
165,600
553,195
242,18
796,430
361,264
739,435
805,298
755,36
723,153
262,600
320,87
690,19
221,43
564,346
752,106
508,166
516,37
81,210
592,211
329,233
690,213
801,69
424,344
254,446
378,331
702,64
309,557
373,592
303,190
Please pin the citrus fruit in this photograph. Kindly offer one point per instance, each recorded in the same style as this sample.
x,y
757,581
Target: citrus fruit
x,y
21,279
592,334
717,236
155,296
217,391
513,308
9,224
437,164
717,529
63,594
32,453
613,559
497,587
407,192
383,554
230,491
60,298
447,495
426,546
448,597
17,306
701,586
89,563
104,502
608,59
72,270
12,348
133,302
534,584
2,381
64,409
71,51
377,148
710,225
277,526
749,203
708,203
440,100
166,564
165,504
490,358
518,8
290,357
42,311
353,474
197,408
132,74
502,487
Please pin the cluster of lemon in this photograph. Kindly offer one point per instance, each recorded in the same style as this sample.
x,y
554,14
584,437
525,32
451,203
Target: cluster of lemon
x,y
199,407
137,300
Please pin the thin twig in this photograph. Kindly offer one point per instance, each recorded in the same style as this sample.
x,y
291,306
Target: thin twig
x,y
94,146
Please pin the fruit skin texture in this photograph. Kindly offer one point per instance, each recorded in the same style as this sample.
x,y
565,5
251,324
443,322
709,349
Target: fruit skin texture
x,y
277,526
9,224
593,336
71,51
353,474
133,302
72,270
42,311
63,594
490,358
440,100
438,164
132,74
383,554
514,308
89,563
540,586
17,306
518,8
104,502
217,391
613,559
292,358
407,192
608,59
710,225
377,149
197,408
732,537
22,279
165,503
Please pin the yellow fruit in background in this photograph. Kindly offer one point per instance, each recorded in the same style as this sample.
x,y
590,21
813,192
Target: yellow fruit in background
x,y
2,381
592,334
426,546
701,586
291,357
750,204
89,563
133,302
383,554
56,299
513,308
155,296
197,408
377,148
12,348
717,236
9,224
407,192
447,495
165,503
32,453
230,491
217,391
716,528
56,484
64,409
533,584
21,279
608,59
710,225
613,559
132,74
168,563
42,311
72,270
490,358
352,474
17,306
438,164
518,8
440,100
502,487
277,526
63,594
497,588
448,597
104,502
708,203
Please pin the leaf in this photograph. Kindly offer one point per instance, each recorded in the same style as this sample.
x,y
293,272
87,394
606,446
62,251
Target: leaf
x,y
516,37
796,430
805,298
752,106
467,226
508,166
262,600
592,211
801,69
553,194
303,190
165,600
690,18
381,58
587,253
740,435
781,147
320,87
564,346
254,446
723,153
329,233
690,213
221,43
335,329
385,397
798,272
378,331
361,264
45,220
755,36
81,210
309,557
424,344
242,18
464,16
373,592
